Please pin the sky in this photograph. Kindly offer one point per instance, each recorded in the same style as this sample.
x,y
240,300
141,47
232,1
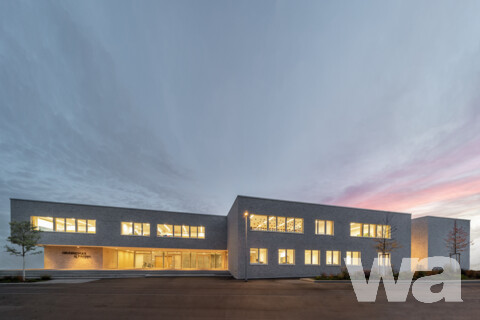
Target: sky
x,y
183,105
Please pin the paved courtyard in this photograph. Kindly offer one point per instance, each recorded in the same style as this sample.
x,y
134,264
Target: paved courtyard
x,y
216,298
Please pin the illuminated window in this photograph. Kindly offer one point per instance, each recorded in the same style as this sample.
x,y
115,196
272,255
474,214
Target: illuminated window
x,y
258,256
71,225
290,224
258,222
201,232
177,231
324,227
193,232
164,230
43,223
81,225
281,224
387,232
60,224
355,229
370,230
92,226
146,229
333,258
136,229
272,223
298,225
185,232
286,256
384,259
127,228
353,258
312,257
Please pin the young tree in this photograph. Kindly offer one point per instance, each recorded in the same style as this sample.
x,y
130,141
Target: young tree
x,y
385,239
24,235
457,241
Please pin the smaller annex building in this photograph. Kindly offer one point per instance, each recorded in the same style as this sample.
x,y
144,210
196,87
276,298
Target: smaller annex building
x,y
265,238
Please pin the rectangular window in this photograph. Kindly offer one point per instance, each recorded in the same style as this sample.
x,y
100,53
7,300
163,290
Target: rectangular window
x,y
146,230
384,259
319,226
353,258
272,223
127,228
298,225
333,258
71,225
387,231
193,232
137,229
164,230
281,224
324,227
355,229
258,256
258,222
201,232
185,231
290,224
60,224
312,257
81,225
43,223
370,230
177,231
329,230
379,231
286,256
92,226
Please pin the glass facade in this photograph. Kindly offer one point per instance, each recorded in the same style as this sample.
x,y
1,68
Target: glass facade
x,y
166,259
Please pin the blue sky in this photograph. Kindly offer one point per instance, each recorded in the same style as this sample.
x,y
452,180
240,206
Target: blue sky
x,y
182,105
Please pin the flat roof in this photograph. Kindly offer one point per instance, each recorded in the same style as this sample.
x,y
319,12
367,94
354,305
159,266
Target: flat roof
x,y
323,205
114,207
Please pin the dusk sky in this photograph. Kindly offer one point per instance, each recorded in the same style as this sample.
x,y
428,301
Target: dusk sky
x,y
182,105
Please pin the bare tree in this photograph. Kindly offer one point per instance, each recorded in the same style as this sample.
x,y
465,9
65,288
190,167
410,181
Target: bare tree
x,y
385,241
457,241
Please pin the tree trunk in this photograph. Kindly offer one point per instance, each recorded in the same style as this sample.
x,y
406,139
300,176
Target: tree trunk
x,y
23,277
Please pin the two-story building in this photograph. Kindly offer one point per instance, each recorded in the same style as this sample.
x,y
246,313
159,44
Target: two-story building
x,y
263,237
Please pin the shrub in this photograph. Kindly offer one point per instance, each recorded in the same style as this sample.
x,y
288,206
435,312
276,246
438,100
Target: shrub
x,y
46,277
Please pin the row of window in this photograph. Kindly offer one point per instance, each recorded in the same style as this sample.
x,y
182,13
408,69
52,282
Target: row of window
x,y
276,224
370,230
312,257
322,227
64,224
163,230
